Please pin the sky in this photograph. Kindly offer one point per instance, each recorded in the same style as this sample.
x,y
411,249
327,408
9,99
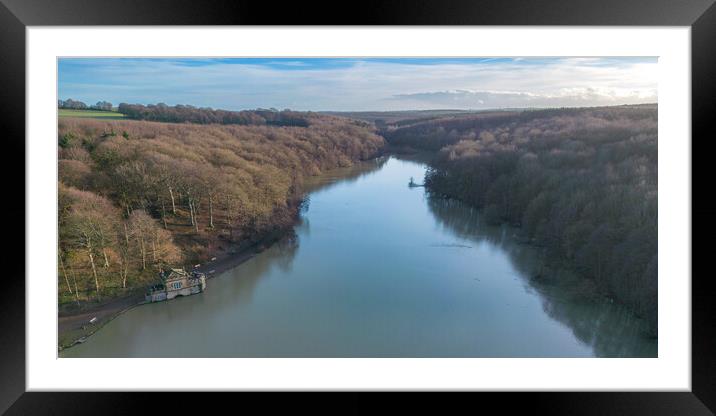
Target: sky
x,y
361,84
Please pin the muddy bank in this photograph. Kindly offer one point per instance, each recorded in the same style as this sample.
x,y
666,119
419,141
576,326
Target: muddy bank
x,y
74,327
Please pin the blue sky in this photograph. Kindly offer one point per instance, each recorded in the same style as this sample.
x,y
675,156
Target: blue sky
x,y
361,84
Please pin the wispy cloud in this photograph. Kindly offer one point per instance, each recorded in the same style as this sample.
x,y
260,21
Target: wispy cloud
x,y
568,97
362,84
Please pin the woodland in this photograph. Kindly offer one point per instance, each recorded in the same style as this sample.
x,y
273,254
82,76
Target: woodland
x,y
580,183
174,185
135,196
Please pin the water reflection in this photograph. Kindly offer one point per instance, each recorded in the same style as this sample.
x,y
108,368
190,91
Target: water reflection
x,y
377,269
280,256
345,175
282,253
611,330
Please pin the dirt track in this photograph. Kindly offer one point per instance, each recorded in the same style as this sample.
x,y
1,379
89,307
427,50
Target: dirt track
x,y
75,327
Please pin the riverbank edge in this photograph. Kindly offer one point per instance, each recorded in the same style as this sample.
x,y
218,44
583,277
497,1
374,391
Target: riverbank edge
x,y
592,292
74,328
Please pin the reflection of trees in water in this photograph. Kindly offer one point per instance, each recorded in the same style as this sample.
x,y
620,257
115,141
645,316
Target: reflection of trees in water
x,y
286,249
281,254
344,175
242,280
611,330
417,157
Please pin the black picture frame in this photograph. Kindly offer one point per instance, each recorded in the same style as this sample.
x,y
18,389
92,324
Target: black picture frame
x,y
15,15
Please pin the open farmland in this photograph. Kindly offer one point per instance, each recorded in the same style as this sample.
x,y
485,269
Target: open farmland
x,y
103,115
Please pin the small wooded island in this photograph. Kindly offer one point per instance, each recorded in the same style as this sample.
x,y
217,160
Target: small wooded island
x,y
179,185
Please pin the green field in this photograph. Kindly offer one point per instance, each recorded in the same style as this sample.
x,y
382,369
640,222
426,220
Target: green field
x,y
104,115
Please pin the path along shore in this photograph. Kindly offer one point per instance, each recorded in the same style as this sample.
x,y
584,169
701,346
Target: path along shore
x,y
73,329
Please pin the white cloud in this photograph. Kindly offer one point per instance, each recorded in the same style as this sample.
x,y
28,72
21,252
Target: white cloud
x,y
566,97
370,85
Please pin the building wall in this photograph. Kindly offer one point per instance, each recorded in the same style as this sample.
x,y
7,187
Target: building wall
x,y
178,287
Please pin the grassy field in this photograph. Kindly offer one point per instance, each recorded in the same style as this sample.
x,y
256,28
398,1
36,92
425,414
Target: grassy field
x,y
103,115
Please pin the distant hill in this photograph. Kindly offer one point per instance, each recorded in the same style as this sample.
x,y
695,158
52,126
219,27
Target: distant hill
x,y
392,117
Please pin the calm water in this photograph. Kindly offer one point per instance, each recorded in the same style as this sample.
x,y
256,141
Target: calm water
x,y
378,269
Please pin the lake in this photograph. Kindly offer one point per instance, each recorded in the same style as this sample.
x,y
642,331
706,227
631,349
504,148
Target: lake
x,y
379,269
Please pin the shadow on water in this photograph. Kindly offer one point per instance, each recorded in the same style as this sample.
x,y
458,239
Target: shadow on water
x,y
611,330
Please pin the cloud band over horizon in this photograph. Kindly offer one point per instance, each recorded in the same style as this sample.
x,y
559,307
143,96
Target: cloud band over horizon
x,y
361,84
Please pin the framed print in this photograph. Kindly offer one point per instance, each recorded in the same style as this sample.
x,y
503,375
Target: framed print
x,y
443,198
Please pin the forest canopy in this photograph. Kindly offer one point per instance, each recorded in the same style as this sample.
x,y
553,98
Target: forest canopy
x,y
178,182
582,183
136,195
191,114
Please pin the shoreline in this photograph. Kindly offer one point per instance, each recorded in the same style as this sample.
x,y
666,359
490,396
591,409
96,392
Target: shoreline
x,y
592,293
75,328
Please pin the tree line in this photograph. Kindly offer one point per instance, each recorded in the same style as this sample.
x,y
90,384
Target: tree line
x,y
79,105
582,183
191,114
136,195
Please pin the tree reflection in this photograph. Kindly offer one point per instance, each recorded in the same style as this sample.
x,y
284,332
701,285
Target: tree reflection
x,y
610,329
345,175
281,254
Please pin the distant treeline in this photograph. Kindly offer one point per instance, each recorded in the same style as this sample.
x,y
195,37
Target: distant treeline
x,y
135,195
580,182
191,114
196,115
79,105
